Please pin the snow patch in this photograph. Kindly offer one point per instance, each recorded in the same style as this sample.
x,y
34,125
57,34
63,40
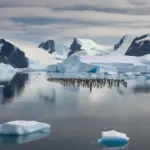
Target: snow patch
x,y
88,44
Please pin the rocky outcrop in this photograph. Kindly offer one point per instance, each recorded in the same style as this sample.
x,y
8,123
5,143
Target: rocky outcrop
x,y
140,46
9,54
75,47
49,46
117,45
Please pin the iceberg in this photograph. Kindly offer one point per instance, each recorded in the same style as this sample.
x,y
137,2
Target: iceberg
x,y
99,64
23,127
113,139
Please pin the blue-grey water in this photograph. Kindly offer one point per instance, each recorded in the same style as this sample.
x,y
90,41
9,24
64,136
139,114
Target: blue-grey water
x,y
77,114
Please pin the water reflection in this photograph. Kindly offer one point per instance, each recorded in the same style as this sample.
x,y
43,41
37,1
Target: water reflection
x,y
12,88
48,98
15,140
141,89
90,83
115,148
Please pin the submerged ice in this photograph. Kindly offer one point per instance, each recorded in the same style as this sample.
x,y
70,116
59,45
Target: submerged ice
x,y
15,140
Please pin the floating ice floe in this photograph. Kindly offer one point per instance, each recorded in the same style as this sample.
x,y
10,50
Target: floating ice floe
x,y
23,127
113,139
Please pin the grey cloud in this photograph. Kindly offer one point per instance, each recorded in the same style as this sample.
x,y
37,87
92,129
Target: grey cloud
x,y
129,11
64,19
91,8
139,2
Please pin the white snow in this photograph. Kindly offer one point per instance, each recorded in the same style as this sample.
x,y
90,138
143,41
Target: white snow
x,y
7,71
144,39
114,134
20,127
62,49
89,44
38,57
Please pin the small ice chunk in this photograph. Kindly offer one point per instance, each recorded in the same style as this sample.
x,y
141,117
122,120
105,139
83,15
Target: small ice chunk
x,y
113,139
23,127
113,133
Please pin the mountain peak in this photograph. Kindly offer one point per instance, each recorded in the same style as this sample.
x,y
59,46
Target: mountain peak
x,y
140,46
49,46
75,47
2,41
10,54
117,45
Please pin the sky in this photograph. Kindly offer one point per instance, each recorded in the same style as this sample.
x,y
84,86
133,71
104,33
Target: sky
x,y
105,21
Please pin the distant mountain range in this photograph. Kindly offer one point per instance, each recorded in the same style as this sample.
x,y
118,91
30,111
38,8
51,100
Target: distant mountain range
x,y
16,57
50,46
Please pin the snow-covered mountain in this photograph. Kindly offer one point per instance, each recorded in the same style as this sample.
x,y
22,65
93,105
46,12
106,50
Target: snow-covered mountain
x,y
140,46
37,57
118,45
10,54
89,44
88,47
87,56
49,46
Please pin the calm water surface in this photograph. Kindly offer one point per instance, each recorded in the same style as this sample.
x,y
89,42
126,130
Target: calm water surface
x,y
77,115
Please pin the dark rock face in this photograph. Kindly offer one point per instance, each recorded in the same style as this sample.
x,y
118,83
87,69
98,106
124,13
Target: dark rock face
x,y
139,46
48,46
75,47
9,54
117,45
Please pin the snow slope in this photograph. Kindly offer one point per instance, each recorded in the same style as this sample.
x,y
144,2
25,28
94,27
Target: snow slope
x,y
7,72
88,44
38,58
61,49
91,48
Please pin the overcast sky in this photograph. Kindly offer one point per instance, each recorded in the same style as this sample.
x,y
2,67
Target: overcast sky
x,y
61,20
